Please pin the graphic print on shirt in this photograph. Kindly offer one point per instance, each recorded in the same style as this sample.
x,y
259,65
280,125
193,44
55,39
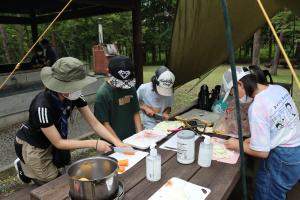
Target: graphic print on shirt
x,y
125,100
284,113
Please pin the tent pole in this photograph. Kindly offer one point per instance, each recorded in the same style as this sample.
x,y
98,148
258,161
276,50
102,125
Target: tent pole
x,y
230,47
286,58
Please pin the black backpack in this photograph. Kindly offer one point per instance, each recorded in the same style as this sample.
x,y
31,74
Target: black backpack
x,y
203,98
207,99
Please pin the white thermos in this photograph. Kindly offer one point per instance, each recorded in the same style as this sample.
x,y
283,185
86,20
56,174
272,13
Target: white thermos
x,y
185,146
205,152
153,165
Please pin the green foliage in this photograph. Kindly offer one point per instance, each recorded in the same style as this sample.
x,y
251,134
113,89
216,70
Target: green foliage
x,y
77,37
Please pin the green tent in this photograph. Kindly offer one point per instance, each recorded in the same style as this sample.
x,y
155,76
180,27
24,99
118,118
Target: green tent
x,y
198,40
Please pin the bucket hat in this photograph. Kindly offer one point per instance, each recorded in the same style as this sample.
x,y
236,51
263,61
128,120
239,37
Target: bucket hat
x,y
66,75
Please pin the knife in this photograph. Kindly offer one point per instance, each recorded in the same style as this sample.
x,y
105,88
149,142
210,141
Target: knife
x,y
123,150
158,117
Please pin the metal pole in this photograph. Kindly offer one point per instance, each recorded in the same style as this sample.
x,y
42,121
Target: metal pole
x,y
230,47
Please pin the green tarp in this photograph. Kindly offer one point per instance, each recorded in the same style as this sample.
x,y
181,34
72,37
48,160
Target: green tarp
x,y
198,40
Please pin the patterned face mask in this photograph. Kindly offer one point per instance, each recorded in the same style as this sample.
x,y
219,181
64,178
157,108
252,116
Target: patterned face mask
x,y
122,84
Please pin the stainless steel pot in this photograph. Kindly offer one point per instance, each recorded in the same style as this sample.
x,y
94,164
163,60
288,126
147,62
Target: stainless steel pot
x,y
94,178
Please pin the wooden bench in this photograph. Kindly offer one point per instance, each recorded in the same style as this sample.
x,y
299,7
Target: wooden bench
x,y
22,194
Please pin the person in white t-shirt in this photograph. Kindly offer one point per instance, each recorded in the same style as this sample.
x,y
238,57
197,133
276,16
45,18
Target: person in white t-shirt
x,y
156,97
275,133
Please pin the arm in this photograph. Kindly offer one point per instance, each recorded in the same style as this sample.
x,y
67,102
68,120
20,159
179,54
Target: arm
x,y
233,144
147,109
105,132
67,144
137,122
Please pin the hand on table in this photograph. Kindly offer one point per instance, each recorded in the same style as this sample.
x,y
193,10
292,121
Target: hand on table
x,y
121,144
232,144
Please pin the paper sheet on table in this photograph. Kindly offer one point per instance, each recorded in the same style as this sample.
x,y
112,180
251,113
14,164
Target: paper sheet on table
x,y
178,189
221,153
171,144
132,159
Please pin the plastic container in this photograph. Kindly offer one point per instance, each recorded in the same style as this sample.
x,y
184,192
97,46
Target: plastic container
x,y
153,165
185,146
205,152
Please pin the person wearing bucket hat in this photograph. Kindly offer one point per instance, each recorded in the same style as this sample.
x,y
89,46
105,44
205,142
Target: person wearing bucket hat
x,y
42,145
156,98
116,104
275,135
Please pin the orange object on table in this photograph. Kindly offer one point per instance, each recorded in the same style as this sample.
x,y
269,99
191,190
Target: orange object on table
x,y
123,162
129,153
121,169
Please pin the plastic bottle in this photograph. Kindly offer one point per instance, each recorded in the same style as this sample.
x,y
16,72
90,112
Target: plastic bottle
x,y
153,165
205,152
185,146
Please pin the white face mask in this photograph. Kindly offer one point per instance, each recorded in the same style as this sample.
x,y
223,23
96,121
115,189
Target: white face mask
x,y
74,95
246,99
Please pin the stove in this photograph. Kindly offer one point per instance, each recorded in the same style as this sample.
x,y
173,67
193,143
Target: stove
x,y
119,196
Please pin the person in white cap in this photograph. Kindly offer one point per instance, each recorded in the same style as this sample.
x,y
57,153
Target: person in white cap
x,y
275,133
42,145
156,97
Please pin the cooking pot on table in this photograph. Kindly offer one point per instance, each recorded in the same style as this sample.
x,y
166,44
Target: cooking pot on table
x,y
94,178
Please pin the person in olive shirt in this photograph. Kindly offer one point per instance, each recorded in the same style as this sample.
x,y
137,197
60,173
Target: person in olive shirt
x,y
116,104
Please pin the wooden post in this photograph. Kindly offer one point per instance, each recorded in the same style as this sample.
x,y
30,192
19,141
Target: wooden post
x,y
34,28
137,42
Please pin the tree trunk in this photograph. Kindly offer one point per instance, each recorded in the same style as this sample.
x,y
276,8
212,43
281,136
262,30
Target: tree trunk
x,y
54,41
270,45
276,57
5,44
20,33
153,55
256,48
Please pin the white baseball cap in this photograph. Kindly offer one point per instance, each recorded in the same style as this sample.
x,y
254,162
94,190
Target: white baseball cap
x,y
165,81
227,79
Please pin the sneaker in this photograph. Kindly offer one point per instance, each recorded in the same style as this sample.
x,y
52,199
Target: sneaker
x,y
20,174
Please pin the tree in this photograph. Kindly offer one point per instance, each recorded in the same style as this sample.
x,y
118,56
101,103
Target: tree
x,y
5,44
256,48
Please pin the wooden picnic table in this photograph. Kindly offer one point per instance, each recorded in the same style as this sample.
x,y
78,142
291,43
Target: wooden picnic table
x,y
221,178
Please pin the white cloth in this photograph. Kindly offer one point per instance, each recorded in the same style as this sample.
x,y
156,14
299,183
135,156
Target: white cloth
x,y
274,120
147,96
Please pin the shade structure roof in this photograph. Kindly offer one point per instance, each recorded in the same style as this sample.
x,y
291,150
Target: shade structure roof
x,y
199,43
43,11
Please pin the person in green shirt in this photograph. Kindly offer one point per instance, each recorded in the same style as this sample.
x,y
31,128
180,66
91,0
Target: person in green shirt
x,y
116,104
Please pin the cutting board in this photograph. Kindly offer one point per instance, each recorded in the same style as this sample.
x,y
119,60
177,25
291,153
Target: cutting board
x,y
178,189
143,139
221,153
166,126
132,159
